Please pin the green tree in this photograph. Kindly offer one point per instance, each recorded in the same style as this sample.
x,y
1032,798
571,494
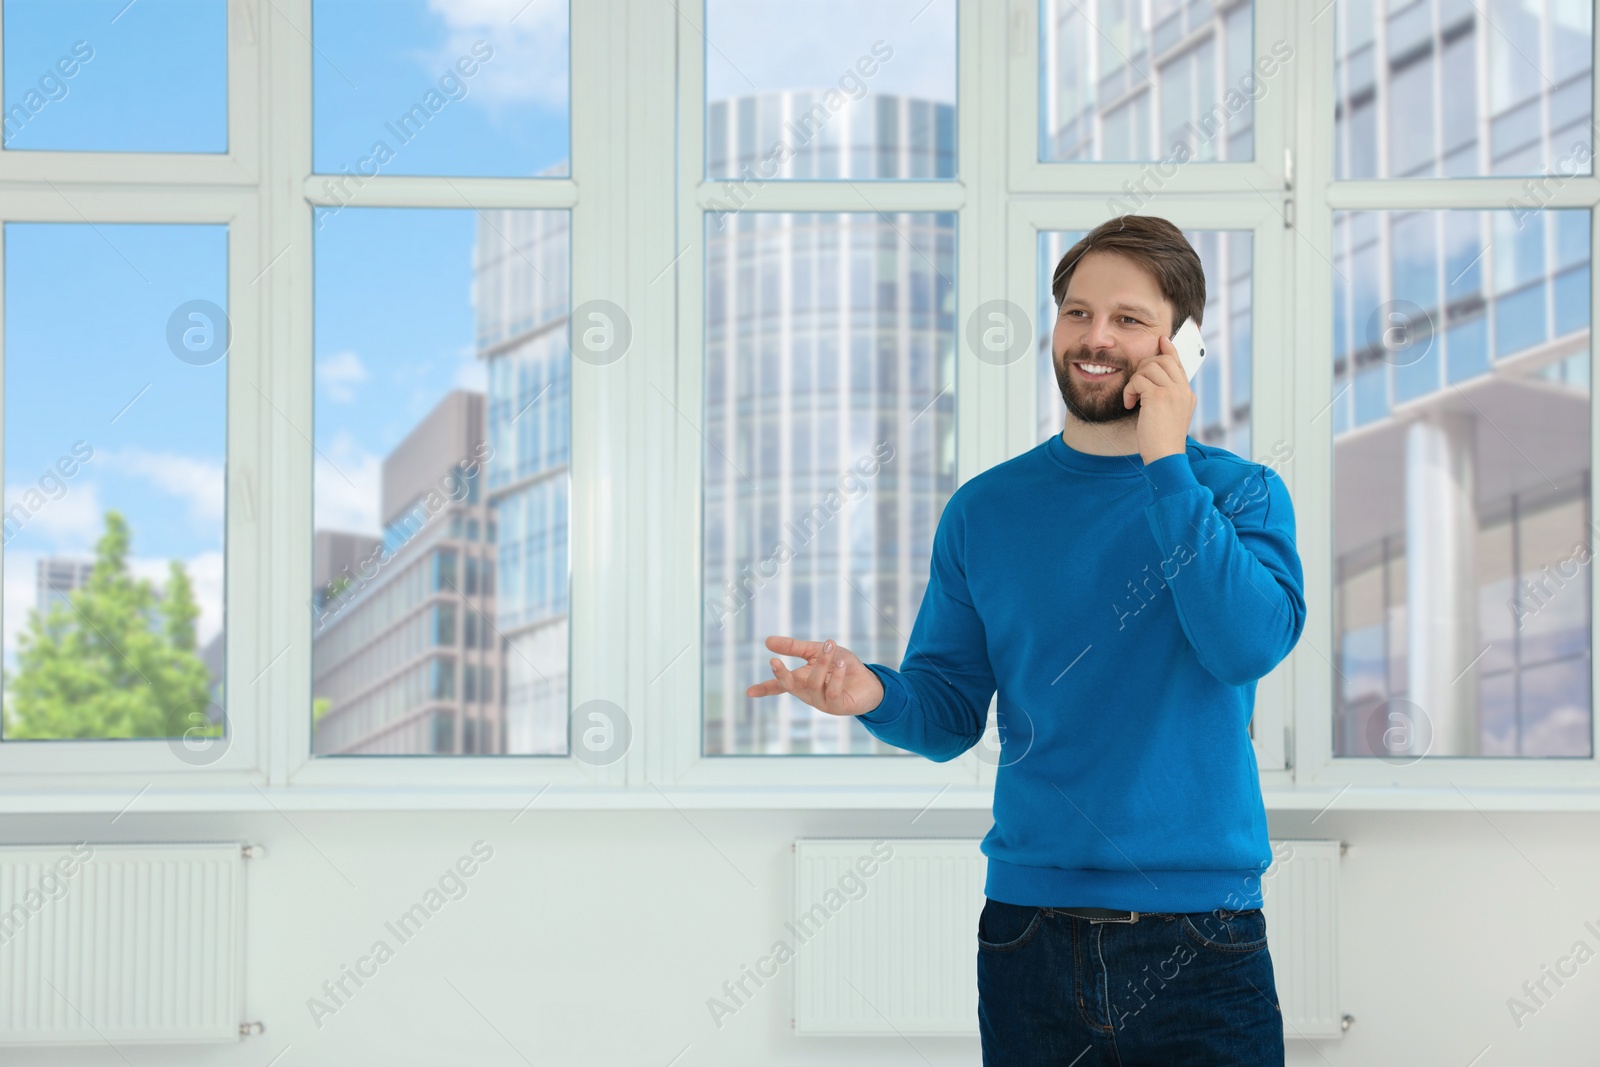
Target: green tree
x,y
117,662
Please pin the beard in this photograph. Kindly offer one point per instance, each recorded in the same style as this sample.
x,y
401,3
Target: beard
x,y
1093,402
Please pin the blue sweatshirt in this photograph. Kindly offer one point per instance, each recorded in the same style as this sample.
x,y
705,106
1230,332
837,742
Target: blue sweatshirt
x,y
1124,612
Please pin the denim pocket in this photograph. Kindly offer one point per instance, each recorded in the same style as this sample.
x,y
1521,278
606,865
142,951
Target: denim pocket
x,y
1227,931
1002,926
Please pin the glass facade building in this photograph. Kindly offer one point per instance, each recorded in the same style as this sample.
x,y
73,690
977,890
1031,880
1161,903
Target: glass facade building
x,y
1461,389
521,301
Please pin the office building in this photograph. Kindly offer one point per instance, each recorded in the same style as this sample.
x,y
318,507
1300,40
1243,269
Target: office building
x,y
406,658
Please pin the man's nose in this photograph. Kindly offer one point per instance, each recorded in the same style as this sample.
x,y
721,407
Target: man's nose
x,y
1099,333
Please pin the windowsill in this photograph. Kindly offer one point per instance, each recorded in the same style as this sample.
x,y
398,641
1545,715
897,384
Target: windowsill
x,y
752,798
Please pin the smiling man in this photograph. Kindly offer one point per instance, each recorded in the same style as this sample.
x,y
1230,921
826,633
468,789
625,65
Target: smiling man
x,y
1123,587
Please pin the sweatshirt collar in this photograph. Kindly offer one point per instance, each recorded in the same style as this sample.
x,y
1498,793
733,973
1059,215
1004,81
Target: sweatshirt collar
x,y
1069,458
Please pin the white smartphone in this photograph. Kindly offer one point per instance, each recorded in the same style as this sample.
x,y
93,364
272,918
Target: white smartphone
x,y
1191,349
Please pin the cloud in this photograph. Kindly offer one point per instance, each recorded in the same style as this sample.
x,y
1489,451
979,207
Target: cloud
x,y
339,375
472,373
201,483
21,580
1562,731
74,522
811,45
346,486
530,60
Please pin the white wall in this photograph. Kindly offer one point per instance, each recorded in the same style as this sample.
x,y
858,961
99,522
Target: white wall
x,y
595,938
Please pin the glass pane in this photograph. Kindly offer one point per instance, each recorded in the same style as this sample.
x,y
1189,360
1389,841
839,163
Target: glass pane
x,y
115,409
829,89
412,87
830,452
1222,414
1408,100
440,576
1461,423
115,76
1130,81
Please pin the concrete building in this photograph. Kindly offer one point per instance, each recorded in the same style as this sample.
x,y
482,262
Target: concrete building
x,y
406,658
335,555
57,576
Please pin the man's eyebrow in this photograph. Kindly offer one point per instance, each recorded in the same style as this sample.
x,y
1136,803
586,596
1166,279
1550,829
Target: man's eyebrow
x,y
1137,309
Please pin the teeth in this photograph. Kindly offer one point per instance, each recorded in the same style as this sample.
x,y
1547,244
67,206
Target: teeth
x,y
1095,368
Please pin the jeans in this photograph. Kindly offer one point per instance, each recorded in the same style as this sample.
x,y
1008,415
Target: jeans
x,y
1175,989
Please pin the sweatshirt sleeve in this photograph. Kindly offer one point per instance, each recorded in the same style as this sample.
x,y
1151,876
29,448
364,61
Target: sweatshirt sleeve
x,y
937,703
1234,570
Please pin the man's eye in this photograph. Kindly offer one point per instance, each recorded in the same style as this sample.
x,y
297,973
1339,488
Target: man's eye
x,y
1130,319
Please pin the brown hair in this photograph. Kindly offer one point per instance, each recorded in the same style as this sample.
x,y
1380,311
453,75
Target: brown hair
x,y
1156,245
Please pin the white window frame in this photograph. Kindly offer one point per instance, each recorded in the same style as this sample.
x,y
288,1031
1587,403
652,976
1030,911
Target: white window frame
x,y
105,188
679,728
1321,195
597,608
636,478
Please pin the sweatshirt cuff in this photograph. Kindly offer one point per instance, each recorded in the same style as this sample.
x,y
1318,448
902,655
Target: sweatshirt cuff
x,y
1171,474
894,697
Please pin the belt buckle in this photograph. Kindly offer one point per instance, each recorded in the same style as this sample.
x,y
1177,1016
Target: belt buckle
x,y
1133,917
1087,914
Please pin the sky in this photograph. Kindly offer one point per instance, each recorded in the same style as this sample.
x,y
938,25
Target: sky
x,y
766,46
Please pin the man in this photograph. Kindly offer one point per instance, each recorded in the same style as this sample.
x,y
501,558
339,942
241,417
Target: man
x,y
1123,586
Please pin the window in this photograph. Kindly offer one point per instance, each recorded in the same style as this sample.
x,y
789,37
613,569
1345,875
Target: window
x,y
116,378
438,89
1477,647
1122,80
840,91
1401,69
1459,403
78,76
574,350
419,367
829,448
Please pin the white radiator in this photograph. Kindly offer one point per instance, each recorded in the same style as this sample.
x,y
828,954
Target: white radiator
x,y
1300,897
885,936
125,944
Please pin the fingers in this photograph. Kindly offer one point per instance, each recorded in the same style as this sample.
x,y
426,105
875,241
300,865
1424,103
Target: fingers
x,y
783,677
1137,385
817,678
821,682
1159,371
811,682
1162,369
791,646
836,685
